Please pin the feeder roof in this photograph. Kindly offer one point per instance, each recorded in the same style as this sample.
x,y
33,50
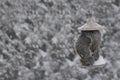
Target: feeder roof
x,y
91,25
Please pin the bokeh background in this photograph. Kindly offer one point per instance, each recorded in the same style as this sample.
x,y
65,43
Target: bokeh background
x,y
37,39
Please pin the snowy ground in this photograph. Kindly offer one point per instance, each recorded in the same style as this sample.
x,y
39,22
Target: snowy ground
x,y
37,39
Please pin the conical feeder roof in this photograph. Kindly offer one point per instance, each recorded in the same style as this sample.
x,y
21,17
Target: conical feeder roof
x,y
91,25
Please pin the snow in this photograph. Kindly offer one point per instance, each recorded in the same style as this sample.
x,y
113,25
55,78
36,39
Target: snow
x,y
74,62
83,70
100,61
30,37
43,53
28,40
54,40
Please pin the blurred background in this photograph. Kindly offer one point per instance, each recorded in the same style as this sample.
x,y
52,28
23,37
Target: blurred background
x,y
37,39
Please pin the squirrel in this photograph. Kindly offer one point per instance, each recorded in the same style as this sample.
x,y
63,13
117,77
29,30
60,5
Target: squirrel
x,y
88,43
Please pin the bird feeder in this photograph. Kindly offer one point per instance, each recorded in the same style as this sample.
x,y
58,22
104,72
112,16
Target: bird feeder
x,y
88,43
